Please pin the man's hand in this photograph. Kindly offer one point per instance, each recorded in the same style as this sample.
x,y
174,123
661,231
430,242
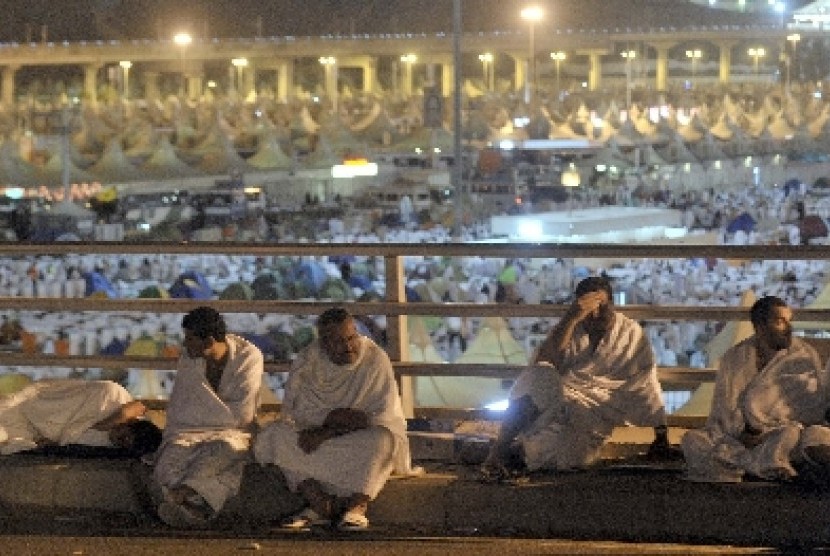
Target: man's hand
x,y
346,419
310,439
585,305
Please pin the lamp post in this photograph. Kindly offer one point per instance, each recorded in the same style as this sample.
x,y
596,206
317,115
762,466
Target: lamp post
x,y
408,60
531,14
756,54
125,68
183,40
793,39
240,64
557,57
487,70
629,56
694,56
329,63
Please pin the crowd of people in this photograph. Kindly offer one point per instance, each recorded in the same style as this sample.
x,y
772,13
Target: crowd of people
x,y
594,371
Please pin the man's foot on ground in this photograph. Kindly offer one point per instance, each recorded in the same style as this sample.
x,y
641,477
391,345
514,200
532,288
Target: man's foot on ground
x,y
303,520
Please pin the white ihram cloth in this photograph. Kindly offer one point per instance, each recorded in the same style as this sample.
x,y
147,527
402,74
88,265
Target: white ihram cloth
x,y
61,411
357,462
614,385
207,436
784,402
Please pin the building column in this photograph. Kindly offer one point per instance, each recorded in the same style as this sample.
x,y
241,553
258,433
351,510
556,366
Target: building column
x,y
370,74
519,71
194,87
594,66
249,80
91,82
285,79
661,70
447,79
151,85
8,85
725,64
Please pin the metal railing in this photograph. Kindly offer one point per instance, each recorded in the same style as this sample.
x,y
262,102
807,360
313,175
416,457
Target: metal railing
x,y
394,307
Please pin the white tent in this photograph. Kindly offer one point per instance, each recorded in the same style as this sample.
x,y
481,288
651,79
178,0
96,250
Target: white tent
x,y
732,333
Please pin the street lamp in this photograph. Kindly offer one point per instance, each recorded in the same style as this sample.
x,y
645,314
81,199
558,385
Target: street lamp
x,y
125,67
694,56
794,38
487,70
408,60
531,14
329,64
629,56
240,64
756,54
183,40
557,57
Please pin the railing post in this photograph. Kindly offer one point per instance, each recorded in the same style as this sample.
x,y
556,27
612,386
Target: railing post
x,y
396,328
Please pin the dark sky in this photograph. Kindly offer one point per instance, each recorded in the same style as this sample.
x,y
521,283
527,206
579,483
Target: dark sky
x,y
91,19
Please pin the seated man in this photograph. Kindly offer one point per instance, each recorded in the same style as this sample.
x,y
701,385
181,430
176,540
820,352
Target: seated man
x,y
769,402
210,418
593,372
73,411
343,430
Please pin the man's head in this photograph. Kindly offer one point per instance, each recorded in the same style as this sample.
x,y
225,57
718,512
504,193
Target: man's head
x,y
136,436
600,320
203,327
338,335
771,318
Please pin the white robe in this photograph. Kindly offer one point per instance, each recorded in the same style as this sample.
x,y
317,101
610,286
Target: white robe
x,y
614,385
784,402
207,436
357,462
60,411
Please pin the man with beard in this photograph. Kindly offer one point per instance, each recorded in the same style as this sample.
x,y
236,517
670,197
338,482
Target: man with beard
x,y
343,430
768,408
594,371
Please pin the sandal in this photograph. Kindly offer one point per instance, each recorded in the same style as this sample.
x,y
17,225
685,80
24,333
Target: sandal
x,y
303,520
353,521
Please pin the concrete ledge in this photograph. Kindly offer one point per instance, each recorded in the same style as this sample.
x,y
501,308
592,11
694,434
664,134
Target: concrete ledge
x,y
623,503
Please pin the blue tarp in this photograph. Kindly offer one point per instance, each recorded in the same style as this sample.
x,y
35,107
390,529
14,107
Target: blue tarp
x,y
311,274
744,223
191,285
97,282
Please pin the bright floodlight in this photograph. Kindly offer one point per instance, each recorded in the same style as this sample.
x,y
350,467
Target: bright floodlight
x,y
532,13
239,62
409,58
182,39
530,229
500,405
126,64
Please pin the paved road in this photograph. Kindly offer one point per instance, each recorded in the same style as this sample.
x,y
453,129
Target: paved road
x,y
79,535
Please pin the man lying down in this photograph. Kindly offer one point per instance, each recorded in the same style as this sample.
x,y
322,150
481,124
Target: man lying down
x,y
62,412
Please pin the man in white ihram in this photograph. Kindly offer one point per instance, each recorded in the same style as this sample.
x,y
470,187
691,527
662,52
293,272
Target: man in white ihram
x,y
343,430
768,411
210,418
593,372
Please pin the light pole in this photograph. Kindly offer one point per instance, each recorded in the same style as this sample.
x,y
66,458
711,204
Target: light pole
x,y
408,60
125,67
694,56
183,40
756,53
328,63
793,39
240,64
487,70
558,57
629,56
531,14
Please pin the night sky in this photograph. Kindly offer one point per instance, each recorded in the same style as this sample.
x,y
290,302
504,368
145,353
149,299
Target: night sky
x,y
124,19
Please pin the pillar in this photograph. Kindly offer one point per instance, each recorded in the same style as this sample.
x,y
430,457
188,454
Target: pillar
x,y
151,85
285,79
662,69
249,80
725,63
370,74
447,79
519,71
595,69
8,85
91,82
194,86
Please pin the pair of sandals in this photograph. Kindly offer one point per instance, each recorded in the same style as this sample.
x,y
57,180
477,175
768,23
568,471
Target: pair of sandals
x,y
308,518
